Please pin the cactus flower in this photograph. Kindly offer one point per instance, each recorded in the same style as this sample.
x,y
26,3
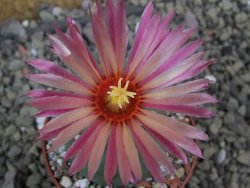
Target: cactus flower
x,y
115,103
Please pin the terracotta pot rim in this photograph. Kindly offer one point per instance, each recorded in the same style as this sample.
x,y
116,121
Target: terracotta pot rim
x,y
57,184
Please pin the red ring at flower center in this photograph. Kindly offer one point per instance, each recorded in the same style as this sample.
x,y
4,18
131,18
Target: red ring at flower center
x,y
114,113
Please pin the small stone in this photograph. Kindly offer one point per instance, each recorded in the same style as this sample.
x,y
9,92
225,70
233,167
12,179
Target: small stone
x,y
14,151
242,110
204,165
211,78
15,65
33,24
232,104
15,29
214,129
77,14
214,174
208,152
241,18
234,185
25,23
244,158
17,136
46,16
9,177
82,183
226,33
180,172
212,13
33,179
221,156
159,185
229,119
11,95
6,102
226,4
66,182
57,11
37,41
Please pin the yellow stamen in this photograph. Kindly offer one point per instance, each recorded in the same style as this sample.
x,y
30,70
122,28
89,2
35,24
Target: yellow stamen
x,y
119,96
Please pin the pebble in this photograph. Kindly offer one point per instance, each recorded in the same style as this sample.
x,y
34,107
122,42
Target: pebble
x,y
180,172
208,152
82,183
14,151
242,110
14,29
240,18
33,180
66,182
15,64
226,5
37,40
46,16
214,129
213,175
232,104
221,156
9,177
244,158
6,102
159,185
57,11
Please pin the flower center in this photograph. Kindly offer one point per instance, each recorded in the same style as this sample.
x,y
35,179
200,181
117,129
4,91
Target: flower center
x,y
118,96
117,100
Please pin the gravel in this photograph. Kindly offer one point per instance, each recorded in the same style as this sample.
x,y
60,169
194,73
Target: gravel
x,y
225,28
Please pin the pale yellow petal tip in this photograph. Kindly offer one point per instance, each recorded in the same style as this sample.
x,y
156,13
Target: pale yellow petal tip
x,y
119,96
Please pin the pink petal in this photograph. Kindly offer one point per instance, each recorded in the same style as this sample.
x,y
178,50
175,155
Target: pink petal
x,y
50,135
122,158
59,103
69,57
79,50
58,82
182,109
40,93
118,30
170,134
181,89
83,150
145,18
190,73
72,130
79,42
190,99
195,151
51,113
145,43
177,126
132,153
52,68
79,142
103,43
152,147
67,118
111,158
150,162
165,78
162,62
97,151
169,146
